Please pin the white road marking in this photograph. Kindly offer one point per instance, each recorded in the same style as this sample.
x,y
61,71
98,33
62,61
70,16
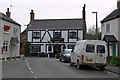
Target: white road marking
x,y
30,69
32,72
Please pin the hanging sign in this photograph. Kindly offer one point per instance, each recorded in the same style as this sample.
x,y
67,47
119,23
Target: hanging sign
x,y
6,27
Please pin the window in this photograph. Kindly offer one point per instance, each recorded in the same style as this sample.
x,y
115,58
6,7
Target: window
x,y
49,48
15,31
36,35
5,46
57,35
73,34
100,49
108,28
90,48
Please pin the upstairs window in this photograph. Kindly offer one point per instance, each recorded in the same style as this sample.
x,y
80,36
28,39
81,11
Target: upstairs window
x,y
15,31
73,34
90,48
36,35
108,28
57,34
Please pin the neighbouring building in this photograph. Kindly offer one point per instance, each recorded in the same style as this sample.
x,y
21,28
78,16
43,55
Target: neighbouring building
x,y
23,38
51,36
111,31
9,36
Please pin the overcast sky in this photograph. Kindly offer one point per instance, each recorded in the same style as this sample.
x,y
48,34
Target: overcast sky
x,y
57,9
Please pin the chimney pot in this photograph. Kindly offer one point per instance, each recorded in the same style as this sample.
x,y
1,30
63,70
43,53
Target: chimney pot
x,y
118,3
31,15
8,13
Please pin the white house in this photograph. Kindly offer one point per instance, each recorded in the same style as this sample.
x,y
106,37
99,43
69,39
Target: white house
x,y
111,31
9,36
53,35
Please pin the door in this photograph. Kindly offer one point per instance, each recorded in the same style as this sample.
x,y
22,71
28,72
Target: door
x,y
57,50
114,50
100,54
36,49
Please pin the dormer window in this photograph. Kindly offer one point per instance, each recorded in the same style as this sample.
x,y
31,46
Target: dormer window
x,y
36,35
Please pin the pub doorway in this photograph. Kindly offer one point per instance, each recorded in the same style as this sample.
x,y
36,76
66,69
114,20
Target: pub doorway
x,y
57,50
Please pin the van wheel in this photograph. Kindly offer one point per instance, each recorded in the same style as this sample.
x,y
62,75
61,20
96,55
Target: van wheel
x,y
78,65
102,68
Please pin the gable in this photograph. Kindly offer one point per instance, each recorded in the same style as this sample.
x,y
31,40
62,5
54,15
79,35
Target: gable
x,y
115,14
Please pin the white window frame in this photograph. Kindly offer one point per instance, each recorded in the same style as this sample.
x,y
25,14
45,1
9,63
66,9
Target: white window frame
x,y
107,28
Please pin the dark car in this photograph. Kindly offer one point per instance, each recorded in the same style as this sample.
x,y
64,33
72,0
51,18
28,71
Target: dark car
x,y
65,55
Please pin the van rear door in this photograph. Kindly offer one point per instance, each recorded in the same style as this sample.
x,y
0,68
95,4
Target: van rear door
x,y
100,54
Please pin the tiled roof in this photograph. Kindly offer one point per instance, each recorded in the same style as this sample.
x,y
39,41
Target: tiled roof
x,y
110,38
113,15
55,24
6,18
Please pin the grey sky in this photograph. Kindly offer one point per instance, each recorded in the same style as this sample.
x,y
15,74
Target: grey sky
x,y
57,9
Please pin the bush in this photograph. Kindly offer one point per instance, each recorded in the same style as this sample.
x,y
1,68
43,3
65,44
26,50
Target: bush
x,y
114,61
27,49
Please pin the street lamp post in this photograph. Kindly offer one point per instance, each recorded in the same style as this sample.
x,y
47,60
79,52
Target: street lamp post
x,y
96,22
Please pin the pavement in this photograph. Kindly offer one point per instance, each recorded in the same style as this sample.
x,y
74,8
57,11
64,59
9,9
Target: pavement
x,y
114,69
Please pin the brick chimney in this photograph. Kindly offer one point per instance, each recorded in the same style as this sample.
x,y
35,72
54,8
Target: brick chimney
x,y
8,13
31,15
118,3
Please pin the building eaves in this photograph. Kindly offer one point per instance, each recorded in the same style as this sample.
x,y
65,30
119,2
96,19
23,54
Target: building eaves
x,y
4,17
115,14
50,24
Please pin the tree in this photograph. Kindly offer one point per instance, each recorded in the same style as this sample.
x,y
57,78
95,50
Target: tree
x,y
92,35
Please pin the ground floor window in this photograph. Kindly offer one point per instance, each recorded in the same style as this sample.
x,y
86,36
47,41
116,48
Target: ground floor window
x,y
49,48
5,45
35,50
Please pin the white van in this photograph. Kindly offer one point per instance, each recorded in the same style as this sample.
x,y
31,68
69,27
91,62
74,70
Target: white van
x,y
90,52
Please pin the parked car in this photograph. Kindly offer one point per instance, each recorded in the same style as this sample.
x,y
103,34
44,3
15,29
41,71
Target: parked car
x,y
65,55
90,52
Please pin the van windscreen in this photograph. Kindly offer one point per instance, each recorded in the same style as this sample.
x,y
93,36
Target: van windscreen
x,y
100,49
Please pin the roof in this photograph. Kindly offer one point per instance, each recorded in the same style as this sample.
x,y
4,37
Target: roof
x,y
115,14
6,18
55,24
110,38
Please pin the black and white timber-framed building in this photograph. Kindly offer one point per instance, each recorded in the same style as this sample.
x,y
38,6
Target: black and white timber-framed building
x,y
53,35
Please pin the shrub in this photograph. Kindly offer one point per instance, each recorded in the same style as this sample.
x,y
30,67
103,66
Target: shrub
x,y
114,61
27,49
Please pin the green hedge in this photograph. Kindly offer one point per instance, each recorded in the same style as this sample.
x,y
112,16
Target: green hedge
x,y
114,61
27,49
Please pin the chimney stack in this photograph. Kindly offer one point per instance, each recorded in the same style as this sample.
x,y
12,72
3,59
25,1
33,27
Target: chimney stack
x,y
31,15
118,3
8,13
